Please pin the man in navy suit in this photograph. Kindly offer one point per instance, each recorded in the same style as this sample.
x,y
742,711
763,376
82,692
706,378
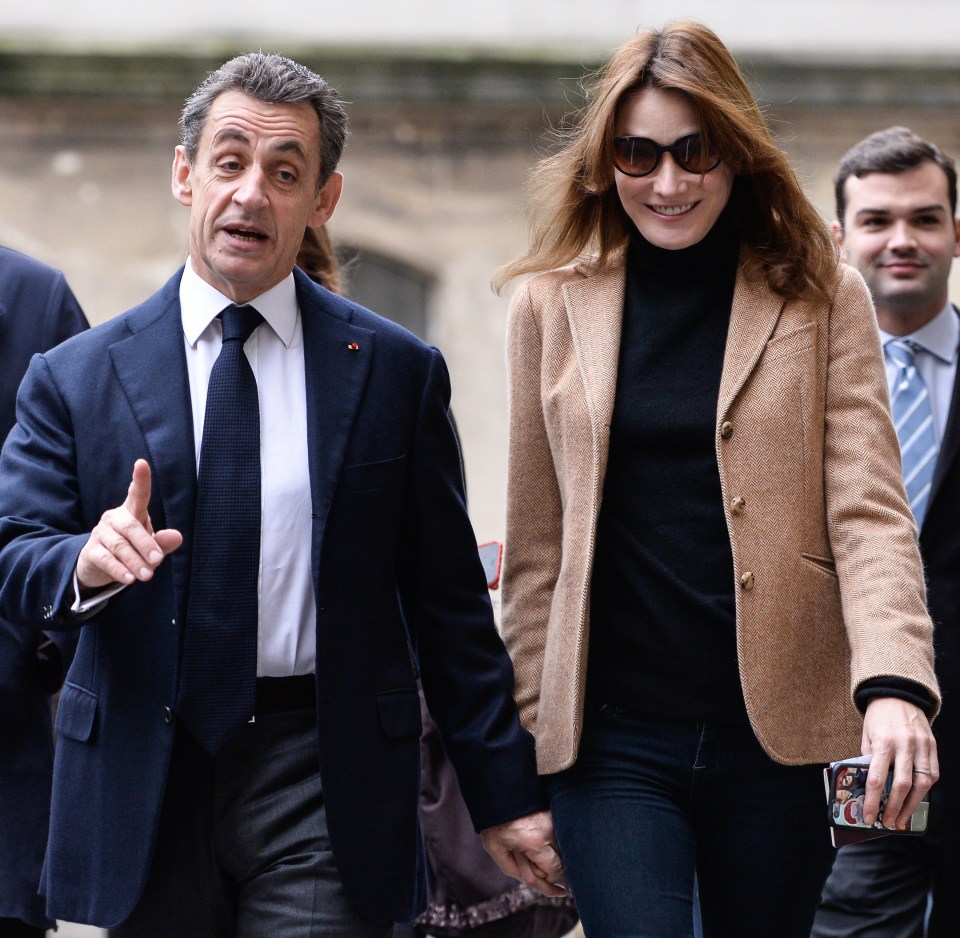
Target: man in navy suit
x,y
37,311
303,813
896,222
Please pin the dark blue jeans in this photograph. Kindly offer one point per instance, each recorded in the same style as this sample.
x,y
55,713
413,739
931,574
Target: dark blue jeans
x,y
652,800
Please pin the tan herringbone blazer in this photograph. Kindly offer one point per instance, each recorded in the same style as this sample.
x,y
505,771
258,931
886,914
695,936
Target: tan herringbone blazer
x,y
829,587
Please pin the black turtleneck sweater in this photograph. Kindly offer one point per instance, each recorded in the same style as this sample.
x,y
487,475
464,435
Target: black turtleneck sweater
x,y
663,624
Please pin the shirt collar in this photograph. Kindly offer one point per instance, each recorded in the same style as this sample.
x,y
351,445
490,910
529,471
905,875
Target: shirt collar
x,y
940,336
200,303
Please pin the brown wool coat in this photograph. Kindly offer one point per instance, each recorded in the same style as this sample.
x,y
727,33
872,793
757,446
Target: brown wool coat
x,y
828,580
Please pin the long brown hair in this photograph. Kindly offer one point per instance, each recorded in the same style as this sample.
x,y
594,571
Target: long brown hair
x,y
318,259
575,207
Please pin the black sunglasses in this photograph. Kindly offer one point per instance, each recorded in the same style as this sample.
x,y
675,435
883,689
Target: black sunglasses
x,y
640,156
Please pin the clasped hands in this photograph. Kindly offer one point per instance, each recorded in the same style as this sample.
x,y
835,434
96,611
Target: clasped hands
x,y
123,547
525,849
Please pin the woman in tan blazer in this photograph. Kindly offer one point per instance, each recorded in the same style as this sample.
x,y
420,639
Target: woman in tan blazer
x,y
711,583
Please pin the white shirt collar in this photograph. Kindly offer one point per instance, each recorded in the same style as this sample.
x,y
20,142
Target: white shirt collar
x,y
200,304
940,336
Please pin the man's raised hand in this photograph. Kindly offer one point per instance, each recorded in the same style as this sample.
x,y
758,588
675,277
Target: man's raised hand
x,y
123,547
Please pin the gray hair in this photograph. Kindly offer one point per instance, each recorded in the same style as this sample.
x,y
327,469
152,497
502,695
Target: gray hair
x,y
273,79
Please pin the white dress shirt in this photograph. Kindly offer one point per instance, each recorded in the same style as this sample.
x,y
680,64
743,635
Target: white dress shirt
x,y
937,362
287,634
286,643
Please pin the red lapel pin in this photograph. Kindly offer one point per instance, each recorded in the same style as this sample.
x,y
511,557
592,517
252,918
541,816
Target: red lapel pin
x,y
353,347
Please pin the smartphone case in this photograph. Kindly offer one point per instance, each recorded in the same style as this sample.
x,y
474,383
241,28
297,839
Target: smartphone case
x,y
846,782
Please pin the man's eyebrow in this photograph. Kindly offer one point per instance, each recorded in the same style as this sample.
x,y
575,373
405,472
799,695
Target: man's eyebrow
x,y
231,133
919,210
291,146
927,209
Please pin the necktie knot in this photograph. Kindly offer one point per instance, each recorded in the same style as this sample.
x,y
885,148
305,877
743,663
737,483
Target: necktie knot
x,y
902,352
239,322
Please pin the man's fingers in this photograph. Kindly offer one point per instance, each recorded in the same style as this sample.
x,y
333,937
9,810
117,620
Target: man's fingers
x,y
121,550
501,855
547,861
97,567
532,875
524,849
168,540
138,494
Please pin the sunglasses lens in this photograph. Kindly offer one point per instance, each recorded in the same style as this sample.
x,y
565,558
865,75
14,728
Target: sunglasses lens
x,y
693,156
634,156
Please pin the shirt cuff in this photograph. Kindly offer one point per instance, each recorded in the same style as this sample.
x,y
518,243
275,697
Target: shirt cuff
x,y
84,608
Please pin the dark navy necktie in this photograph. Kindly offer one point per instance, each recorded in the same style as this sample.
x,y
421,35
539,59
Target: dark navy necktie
x,y
218,671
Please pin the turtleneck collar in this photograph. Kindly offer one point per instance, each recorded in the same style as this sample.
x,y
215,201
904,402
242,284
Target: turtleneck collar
x,y
715,254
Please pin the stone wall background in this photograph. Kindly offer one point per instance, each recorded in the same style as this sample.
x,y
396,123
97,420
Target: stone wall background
x,y
442,141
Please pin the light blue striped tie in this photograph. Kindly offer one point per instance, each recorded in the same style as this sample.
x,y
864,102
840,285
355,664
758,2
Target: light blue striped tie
x,y
913,418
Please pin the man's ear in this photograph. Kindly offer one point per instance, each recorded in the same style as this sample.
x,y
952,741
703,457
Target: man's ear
x,y
180,182
326,201
837,230
956,247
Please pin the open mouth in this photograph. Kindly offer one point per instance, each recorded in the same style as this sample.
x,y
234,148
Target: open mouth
x,y
246,234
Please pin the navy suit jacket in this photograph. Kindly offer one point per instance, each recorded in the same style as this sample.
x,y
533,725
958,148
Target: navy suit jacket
x,y
395,567
940,549
37,311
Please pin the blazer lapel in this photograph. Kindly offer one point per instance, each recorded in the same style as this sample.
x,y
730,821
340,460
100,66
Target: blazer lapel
x,y
594,305
337,360
752,319
950,447
152,370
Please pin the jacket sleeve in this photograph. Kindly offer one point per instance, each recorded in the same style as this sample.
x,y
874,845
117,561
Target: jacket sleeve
x,y
534,533
41,529
63,316
872,533
465,671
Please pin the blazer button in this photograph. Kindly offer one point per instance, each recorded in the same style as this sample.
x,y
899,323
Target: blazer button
x,y
737,505
726,430
746,581
167,715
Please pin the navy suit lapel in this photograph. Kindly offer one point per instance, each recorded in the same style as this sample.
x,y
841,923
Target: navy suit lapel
x,y
950,447
152,370
337,360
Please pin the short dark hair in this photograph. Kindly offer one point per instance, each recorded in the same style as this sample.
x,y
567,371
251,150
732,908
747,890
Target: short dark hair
x,y
894,150
273,79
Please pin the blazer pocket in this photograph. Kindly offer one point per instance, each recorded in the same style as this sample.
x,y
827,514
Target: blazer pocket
x,y
365,477
821,563
76,712
791,340
399,713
